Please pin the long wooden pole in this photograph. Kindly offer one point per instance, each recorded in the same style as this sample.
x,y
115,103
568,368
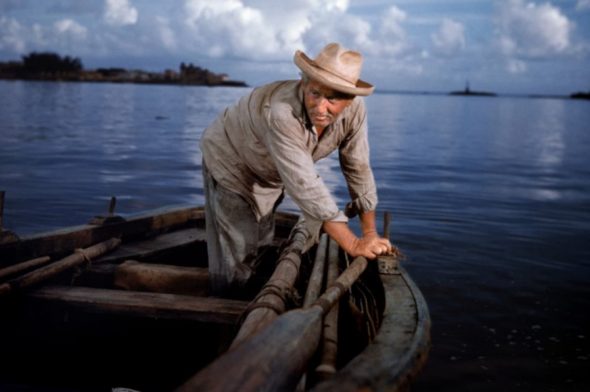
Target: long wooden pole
x,y
276,357
6,236
327,366
280,282
314,287
1,208
79,257
23,266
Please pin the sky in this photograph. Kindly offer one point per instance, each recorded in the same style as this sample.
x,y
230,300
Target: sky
x,y
504,46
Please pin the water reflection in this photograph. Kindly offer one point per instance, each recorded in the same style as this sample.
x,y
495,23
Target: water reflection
x,y
550,126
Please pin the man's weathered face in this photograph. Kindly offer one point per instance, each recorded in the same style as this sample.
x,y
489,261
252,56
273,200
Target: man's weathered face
x,y
323,104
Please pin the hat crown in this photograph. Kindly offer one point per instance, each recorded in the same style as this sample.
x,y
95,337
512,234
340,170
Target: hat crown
x,y
337,68
341,62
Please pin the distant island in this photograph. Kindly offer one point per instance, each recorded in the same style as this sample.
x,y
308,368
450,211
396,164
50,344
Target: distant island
x,y
469,92
53,67
580,95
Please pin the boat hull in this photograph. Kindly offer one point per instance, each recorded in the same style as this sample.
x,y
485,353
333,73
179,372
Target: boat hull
x,y
93,327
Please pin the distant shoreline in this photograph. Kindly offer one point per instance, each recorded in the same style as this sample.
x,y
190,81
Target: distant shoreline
x,y
48,66
582,96
224,83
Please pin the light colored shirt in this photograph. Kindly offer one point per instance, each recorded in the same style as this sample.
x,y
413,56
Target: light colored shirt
x,y
266,143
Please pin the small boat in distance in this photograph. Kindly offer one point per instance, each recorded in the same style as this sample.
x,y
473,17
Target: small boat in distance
x,y
123,302
469,92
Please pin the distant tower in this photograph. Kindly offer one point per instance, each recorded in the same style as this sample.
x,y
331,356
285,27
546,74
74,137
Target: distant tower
x,y
467,90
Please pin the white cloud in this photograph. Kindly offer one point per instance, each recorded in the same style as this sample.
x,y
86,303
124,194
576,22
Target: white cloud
x,y
272,30
258,30
392,38
330,5
166,33
514,66
583,5
65,35
71,29
11,35
349,30
531,30
450,38
230,27
391,23
266,31
120,13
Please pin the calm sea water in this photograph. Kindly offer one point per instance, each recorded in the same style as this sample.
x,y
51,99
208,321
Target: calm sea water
x,y
490,200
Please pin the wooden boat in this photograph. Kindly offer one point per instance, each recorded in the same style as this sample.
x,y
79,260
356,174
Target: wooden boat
x,y
82,316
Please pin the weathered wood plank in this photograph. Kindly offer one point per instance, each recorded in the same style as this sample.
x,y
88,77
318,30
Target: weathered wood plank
x,y
153,246
162,278
68,239
142,304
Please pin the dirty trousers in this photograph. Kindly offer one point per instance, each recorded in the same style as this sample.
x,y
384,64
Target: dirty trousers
x,y
233,237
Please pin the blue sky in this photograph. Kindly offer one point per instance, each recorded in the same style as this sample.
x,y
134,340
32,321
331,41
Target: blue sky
x,y
506,46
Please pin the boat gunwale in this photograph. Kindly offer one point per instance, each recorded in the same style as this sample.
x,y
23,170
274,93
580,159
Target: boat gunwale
x,y
371,370
68,239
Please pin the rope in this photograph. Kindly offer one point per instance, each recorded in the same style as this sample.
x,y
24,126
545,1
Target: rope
x,y
84,255
80,269
282,293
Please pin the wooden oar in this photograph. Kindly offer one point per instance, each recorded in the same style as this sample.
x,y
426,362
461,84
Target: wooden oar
x,y
6,236
316,281
270,302
386,224
327,366
314,287
276,357
23,266
79,257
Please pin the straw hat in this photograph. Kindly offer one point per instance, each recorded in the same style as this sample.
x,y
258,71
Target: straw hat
x,y
336,67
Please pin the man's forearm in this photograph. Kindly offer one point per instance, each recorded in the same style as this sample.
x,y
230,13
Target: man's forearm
x,y
341,233
369,245
368,225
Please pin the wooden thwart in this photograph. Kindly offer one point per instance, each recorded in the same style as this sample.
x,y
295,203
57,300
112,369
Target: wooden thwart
x,y
162,278
153,246
143,304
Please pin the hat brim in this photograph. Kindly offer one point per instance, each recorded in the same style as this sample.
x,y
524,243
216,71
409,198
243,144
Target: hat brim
x,y
309,67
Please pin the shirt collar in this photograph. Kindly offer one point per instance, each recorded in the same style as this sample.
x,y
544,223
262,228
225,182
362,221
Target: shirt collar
x,y
302,115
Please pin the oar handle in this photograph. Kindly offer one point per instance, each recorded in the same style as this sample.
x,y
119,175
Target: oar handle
x,y
342,284
386,223
1,208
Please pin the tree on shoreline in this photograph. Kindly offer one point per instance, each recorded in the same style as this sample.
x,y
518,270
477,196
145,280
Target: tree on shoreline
x,y
50,63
